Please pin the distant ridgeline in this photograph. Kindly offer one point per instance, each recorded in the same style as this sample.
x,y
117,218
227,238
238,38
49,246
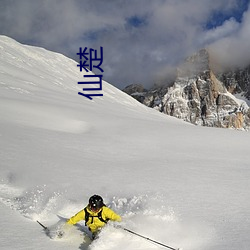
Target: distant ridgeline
x,y
200,95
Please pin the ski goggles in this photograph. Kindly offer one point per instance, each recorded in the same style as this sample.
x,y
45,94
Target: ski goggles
x,y
94,208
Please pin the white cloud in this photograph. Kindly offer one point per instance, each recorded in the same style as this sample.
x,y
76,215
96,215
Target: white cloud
x,y
228,28
171,31
233,50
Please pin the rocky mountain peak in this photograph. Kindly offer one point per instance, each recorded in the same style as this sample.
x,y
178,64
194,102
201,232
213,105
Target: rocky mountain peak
x,y
196,64
200,96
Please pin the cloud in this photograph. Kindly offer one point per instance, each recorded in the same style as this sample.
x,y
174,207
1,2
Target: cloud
x,y
233,49
142,40
228,28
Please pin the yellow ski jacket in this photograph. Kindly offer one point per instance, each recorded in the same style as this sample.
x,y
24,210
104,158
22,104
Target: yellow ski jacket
x,y
94,223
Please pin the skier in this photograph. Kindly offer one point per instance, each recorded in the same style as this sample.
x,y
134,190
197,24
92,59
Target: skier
x,y
95,214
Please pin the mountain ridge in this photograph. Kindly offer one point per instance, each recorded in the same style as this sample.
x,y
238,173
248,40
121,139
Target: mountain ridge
x,y
200,95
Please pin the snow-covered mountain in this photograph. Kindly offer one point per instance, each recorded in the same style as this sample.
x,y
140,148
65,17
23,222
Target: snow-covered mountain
x,y
182,185
237,81
202,96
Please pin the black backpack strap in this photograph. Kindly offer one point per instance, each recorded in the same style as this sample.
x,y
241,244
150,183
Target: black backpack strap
x,y
86,216
99,215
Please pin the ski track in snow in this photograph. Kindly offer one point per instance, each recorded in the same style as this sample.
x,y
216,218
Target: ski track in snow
x,y
145,214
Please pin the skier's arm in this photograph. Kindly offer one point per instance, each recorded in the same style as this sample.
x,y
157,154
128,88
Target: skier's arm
x,y
110,214
77,217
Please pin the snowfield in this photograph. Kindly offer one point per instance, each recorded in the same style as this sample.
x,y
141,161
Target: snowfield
x,y
182,185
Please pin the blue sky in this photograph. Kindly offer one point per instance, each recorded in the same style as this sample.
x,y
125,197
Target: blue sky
x,y
143,40
218,17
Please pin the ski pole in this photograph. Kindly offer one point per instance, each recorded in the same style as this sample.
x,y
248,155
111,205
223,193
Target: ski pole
x,y
45,228
146,238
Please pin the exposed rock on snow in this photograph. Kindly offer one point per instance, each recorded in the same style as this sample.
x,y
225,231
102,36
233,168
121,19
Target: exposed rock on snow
x,y
137,91
198,96
237,81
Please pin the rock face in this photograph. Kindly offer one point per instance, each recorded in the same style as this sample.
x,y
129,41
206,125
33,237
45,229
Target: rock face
x,y
200,97
137,91
237,81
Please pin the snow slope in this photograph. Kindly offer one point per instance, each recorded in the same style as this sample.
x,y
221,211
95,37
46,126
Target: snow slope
x,y
176,183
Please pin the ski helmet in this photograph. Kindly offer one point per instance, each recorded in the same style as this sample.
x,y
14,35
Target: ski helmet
x,y
95,202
